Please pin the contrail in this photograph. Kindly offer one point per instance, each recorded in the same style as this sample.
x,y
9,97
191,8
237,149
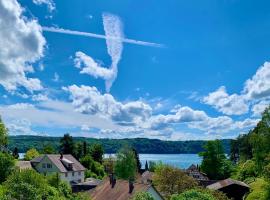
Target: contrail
x,y
99,36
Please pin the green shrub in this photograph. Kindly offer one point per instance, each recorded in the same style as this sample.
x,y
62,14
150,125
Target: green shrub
x,y
143,196
193,194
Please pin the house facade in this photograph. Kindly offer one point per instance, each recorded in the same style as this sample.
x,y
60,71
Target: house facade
x,y
66,166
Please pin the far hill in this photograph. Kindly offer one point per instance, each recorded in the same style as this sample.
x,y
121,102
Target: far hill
x,y
143,145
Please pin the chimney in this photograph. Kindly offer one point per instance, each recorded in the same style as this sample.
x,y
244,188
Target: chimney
x,y
61,156
131,187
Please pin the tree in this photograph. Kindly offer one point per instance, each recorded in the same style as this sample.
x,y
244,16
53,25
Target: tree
x,y
214,162
3,134
67,145
193,195
48,149
97,151
85,148
15,153
125,166
146,166
28,184
95,169
31,154
78,150
138,162
7,164
170,180
143,196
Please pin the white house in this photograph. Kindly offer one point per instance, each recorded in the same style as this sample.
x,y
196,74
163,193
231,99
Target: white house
x,y
69,169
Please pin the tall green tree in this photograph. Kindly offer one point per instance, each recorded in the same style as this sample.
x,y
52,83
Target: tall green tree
x,y
15,153
125,166
214,163
138,162
97,151
7,164
67,144
3,133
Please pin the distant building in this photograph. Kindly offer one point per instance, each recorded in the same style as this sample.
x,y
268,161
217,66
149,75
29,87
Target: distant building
x,y
195,173
232,188
22,165
69,169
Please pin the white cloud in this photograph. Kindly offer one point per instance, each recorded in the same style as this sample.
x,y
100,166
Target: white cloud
x,y
228,104
259,85
89,100
22,44
40,97
56,77
20,127
258,108
91,67
182,115
50,4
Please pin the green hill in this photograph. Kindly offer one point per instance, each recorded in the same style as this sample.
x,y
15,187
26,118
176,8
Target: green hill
x,y
143,145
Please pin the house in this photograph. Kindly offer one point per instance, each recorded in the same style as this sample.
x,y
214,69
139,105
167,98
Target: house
x,y
122,190
195,173
22,165
232,188
66,166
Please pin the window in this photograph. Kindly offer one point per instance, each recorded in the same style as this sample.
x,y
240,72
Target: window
x,y
49,165
43,165
72,173
66,174
79,173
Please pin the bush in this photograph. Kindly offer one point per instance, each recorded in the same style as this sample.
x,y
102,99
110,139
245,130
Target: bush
x,y
193,195
259,190
7,163
143,196
94,169
30,154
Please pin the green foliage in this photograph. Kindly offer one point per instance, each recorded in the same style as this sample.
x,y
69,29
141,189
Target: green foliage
x,y
125,166
214,163
67,145
108,163
138,162
48,149
143,196
78,150
246,170
97,151
3,134
194,194
15,153
7,163
142,145
95,169
30,154
28,184
170,180
259,190
255,144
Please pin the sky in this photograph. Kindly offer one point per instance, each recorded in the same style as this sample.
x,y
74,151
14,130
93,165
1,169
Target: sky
x,y
171,70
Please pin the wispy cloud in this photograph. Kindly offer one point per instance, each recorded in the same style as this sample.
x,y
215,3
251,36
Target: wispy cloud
x,y
100,36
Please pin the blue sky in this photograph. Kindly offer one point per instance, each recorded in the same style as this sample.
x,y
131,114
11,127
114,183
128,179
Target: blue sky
x,y
201,73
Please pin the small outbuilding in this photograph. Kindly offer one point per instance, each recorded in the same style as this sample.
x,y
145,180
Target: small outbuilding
x,y
232,188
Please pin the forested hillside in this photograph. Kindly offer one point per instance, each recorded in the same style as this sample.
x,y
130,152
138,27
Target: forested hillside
x,y
143,145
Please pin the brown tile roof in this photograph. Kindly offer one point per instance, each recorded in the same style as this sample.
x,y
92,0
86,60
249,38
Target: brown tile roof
x,y
120,191
55,158
224,183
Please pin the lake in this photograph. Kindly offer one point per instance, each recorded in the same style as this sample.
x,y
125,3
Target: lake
x,y
182,161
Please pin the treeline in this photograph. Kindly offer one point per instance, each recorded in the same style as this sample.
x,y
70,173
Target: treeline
x,y
251,153
142,145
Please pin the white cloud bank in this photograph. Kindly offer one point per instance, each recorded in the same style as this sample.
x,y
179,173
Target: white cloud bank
x,y
22,43
256,91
